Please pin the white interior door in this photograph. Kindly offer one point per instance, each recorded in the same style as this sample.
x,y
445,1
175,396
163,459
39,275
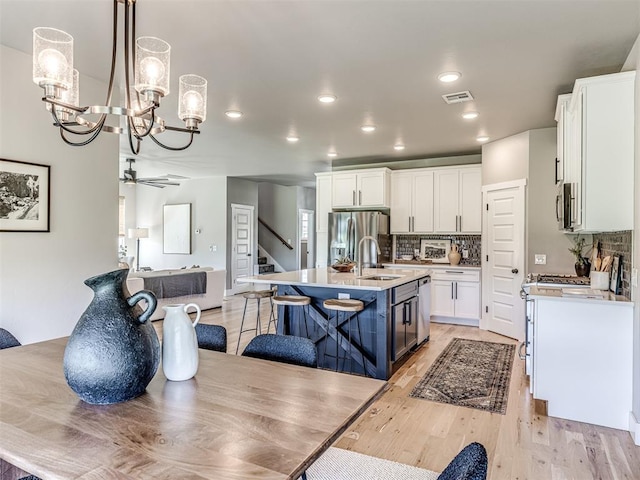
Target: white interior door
x,y
503,258
305,239
242,245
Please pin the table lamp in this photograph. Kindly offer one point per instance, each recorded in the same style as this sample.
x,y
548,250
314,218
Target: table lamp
x,y
138,233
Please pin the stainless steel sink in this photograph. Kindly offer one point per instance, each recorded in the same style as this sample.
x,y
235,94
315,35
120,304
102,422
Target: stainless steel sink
x,y
380,277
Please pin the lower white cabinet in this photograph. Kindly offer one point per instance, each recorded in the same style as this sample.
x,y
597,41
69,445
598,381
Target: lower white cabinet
x,y
583,359
455,294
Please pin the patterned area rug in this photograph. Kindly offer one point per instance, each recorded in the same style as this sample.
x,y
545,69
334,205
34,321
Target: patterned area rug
x,y
339,464
469,373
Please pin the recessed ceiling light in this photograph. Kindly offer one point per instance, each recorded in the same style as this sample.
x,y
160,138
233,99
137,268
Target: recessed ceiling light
x,y
470,115
482,138
332,154
448,77
327,98
292,138
398,146
368,128
233,113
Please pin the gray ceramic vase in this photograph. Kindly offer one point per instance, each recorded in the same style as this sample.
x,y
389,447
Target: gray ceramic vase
x,y
113,351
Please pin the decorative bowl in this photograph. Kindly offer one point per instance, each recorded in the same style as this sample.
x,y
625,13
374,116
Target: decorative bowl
x,y
406,257
343,267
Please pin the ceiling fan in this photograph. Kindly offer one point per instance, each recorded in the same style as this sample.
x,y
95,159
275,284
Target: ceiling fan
x,y
130,177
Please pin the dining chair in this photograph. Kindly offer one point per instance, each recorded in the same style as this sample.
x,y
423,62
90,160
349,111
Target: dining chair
x,y
211,337
470,464
283,348
7,340
30,477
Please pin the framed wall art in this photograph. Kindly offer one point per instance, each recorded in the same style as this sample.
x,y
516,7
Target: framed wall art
x,y
24,196
177,228
615,274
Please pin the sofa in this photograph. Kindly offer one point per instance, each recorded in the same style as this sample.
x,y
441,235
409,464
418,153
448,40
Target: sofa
x,y
216,281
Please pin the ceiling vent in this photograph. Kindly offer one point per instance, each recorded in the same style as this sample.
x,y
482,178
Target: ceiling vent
x,y
457,97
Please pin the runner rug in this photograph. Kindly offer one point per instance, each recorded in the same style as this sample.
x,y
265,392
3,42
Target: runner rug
x,y
469,373
339,464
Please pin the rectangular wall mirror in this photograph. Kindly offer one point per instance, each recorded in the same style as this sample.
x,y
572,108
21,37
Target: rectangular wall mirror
x,y
176,222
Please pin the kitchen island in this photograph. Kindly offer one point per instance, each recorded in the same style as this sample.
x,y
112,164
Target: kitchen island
x,y
383,332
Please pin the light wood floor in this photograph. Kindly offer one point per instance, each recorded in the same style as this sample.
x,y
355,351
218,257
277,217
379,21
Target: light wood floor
x,y
521,444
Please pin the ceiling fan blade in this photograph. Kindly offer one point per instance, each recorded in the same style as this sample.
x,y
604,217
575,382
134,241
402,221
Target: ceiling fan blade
x,y
151,184
177,177
153,179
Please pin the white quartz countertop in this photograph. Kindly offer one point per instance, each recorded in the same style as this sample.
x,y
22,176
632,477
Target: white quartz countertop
x,y
580,295
434,266
329,278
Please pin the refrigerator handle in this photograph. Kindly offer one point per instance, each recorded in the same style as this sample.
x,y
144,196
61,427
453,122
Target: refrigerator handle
x,y
348,251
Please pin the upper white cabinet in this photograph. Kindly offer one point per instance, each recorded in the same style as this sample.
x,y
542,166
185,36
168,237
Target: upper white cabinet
x,y
597,147
361,188
562,107
458,199
412,201
323,201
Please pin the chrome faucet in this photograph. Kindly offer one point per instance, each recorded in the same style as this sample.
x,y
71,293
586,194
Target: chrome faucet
x,y
359,265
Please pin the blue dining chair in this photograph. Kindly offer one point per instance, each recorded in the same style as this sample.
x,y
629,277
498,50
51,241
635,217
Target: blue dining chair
x,y
212,337
30,477
7,340
470,464
283,348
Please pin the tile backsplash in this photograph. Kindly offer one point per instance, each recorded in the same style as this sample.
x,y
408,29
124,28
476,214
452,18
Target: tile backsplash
x,y
406,244
618,243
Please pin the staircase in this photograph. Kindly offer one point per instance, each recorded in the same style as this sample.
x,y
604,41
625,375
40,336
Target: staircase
x,y
264,267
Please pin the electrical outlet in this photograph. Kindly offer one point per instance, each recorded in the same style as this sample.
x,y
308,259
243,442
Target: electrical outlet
x,y
213,248
465,253
541,259
343,296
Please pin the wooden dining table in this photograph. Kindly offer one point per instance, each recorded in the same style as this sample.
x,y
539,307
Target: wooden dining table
x,y
238,418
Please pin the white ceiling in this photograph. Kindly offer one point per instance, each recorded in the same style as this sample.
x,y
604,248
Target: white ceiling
x,y
271,59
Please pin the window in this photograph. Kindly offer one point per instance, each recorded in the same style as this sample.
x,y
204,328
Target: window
x,y
304,227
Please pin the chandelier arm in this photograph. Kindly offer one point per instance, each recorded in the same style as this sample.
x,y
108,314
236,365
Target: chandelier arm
x,y
114,50
151,121
97,126
86,142
175,149
135,150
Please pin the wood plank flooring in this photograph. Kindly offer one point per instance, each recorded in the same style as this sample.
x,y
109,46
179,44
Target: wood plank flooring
x,y
521,445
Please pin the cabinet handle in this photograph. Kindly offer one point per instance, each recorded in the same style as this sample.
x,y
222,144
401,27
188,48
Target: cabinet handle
x,y
451,290
456,297
354,198
557,210
359,197
454,271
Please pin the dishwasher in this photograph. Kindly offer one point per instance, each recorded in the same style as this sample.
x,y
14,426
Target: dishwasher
x,y
424,314
404,315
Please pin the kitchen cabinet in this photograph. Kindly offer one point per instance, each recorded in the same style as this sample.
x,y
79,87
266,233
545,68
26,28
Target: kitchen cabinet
x,y
323,208
412,201
457,199
404,317
455,295
583,358
368,188
561,117
598,152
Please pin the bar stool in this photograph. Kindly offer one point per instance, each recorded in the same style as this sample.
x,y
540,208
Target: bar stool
x,y
293,301
255,295
343,305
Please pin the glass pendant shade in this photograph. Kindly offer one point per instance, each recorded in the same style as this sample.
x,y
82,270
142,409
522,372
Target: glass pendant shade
x,y
192,94
152,65
52,57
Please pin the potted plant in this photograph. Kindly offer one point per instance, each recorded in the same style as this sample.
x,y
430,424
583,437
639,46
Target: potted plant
x,y
582,264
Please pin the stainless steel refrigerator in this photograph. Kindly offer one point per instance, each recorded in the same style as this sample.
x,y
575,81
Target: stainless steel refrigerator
x,y
346,229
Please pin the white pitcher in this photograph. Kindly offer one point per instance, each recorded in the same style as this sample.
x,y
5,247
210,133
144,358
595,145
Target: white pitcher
x,y
179,342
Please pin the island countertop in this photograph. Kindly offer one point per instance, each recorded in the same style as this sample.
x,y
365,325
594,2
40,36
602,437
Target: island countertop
x,y
328,278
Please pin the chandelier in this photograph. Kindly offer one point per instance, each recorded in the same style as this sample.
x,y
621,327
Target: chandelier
x,y
148,65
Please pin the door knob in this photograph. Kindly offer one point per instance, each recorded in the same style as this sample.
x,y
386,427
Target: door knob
x,y
514,270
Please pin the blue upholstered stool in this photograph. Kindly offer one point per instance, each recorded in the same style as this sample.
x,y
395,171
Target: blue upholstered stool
x,y
470,464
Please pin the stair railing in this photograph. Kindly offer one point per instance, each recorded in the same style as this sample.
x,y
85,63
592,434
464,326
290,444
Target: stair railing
x,y
278,236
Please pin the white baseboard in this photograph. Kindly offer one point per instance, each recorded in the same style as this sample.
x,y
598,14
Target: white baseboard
x,y
634,428
455,320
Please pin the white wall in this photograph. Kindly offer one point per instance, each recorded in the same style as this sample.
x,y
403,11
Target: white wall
x,y
129,194
42,293
634,59
208,214
506,159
